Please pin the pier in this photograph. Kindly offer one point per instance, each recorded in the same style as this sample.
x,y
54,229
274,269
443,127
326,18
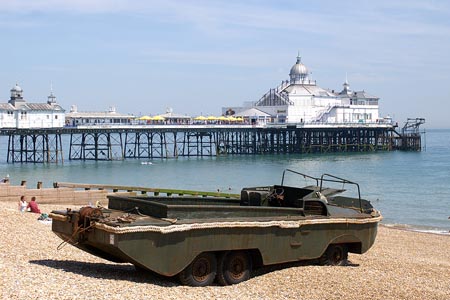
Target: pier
x,y
410,137
118,142
296,117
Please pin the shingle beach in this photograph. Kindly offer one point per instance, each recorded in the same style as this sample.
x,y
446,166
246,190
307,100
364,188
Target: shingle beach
x,y
401,265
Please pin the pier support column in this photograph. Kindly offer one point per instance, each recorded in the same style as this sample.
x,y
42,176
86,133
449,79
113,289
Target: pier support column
x,y
96,146
34,147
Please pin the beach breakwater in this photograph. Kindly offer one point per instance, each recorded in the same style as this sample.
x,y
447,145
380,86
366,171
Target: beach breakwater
x,y
61,195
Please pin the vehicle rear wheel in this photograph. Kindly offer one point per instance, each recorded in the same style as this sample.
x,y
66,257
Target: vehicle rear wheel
x,y
140,269
336,255
201,271
234,267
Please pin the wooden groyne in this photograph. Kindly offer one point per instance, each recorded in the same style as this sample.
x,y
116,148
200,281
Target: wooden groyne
x,y
146,191
90,194
62,195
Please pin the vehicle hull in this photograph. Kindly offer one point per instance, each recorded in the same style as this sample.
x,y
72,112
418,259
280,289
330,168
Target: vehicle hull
x,y
167,250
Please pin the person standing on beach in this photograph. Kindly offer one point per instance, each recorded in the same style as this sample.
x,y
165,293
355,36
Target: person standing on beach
x,y
23,204
34,208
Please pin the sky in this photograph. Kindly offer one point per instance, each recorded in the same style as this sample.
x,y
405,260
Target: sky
x,y
143,56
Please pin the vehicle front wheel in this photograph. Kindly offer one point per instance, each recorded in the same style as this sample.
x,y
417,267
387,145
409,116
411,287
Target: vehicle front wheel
x,y
201,271
234,267
335,255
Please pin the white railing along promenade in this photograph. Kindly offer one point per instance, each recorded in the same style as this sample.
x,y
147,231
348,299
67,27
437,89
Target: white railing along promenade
x,y
235,126
164,126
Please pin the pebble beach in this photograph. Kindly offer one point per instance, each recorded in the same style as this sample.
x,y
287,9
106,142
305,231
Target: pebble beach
x,y
401,265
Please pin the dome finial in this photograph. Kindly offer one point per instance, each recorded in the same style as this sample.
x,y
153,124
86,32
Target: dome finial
x,y
17,88
346,85
51,97
299,58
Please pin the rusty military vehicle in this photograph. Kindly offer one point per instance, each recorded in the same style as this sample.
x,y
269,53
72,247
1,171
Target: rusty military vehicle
x,y
203,239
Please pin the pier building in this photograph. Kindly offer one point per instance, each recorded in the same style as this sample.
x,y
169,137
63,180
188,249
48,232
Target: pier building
x,y
301,100
168,118
18,113
173,118
108,117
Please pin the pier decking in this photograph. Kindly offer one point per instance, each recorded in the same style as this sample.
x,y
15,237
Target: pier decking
x,y
117,142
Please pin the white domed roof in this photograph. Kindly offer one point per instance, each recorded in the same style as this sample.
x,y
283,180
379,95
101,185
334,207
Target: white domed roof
x,y
16,88
299,68
299,73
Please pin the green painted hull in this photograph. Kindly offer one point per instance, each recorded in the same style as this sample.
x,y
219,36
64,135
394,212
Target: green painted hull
x,y
169,253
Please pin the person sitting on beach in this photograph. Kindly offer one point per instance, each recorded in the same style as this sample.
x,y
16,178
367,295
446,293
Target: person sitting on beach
x,y
33,206
22,204
5,179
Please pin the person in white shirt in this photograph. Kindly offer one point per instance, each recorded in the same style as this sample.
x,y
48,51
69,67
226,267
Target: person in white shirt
x,y
22,204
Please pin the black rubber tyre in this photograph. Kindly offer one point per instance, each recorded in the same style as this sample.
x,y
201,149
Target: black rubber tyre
x,y
336,255
234,267
201,271
140,269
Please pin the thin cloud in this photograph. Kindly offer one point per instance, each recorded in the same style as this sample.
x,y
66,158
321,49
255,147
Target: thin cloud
x,y
366,24
244,58
368,16
49,6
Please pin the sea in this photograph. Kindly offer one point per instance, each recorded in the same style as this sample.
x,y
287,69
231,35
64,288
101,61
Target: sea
x,y
411,189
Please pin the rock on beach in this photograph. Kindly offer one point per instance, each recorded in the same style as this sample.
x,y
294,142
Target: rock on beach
x,y
401,265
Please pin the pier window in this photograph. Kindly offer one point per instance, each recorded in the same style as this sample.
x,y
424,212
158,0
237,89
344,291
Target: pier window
x,y
362,117
23,115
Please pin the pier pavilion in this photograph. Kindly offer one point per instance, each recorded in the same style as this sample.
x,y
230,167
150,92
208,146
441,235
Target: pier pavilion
x,y
18,113
109,117
301,100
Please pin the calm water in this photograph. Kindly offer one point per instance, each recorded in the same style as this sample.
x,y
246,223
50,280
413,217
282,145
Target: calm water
x,y
409,188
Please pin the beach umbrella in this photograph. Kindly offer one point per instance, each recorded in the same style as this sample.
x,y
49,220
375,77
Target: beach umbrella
x,y
158,118
239,119
231,119
222,118
211,118
145,118
200,118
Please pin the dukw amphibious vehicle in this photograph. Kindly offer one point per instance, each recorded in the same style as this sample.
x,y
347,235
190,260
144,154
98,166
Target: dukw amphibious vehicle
x,y
207,239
